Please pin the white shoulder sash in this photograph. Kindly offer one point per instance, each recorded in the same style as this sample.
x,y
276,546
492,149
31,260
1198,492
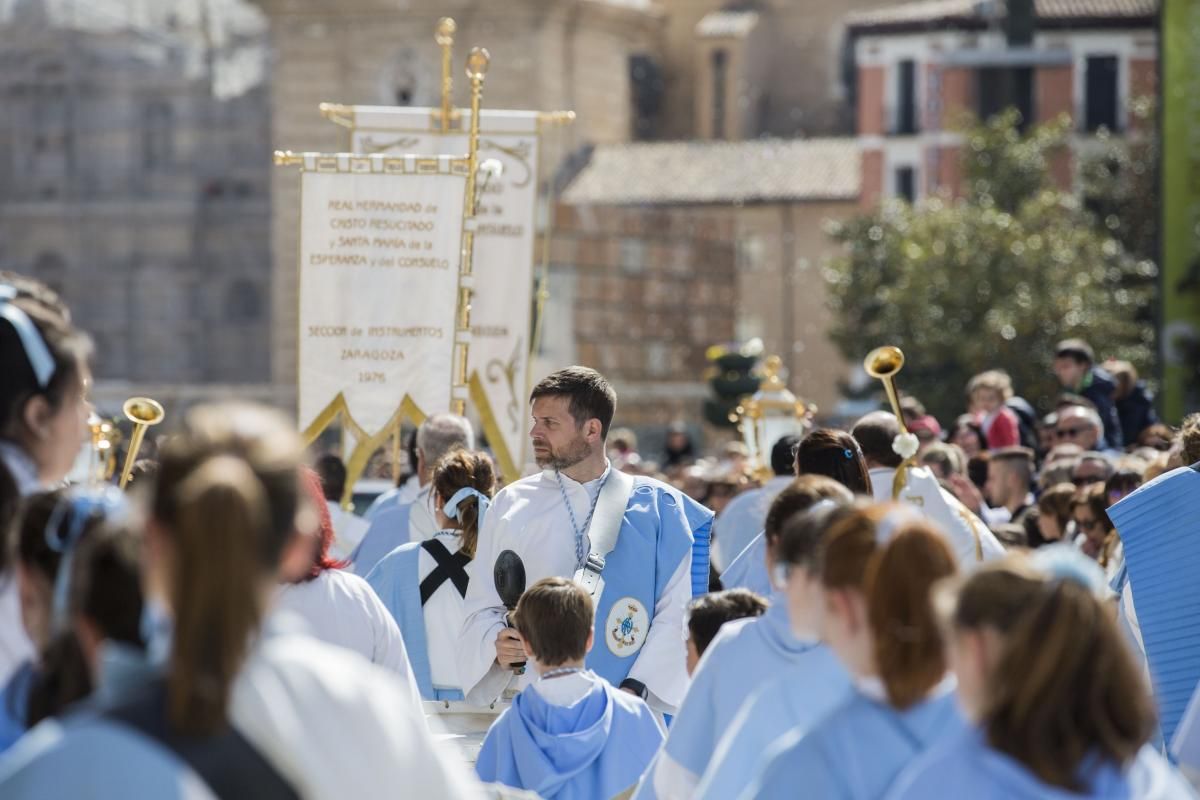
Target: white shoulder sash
x,y
602,534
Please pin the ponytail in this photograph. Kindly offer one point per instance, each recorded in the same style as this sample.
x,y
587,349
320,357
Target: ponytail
x,y
465,469
222,514
1065,689
908,642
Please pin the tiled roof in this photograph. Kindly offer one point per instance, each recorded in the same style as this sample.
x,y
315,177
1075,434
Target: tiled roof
x,y
925,12
762,170
722,24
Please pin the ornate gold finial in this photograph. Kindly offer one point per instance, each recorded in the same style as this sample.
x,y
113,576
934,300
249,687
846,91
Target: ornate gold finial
x,y
444,33
771,370
477,63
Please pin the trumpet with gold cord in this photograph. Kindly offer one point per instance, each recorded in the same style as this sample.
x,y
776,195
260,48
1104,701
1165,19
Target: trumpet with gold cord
x,y
884,363
770,414
143,412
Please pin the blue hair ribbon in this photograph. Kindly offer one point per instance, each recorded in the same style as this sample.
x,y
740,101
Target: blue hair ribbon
x,y
451,507
64,529
36,351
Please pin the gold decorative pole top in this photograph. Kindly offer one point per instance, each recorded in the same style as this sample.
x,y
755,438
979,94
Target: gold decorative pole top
x,y
444,36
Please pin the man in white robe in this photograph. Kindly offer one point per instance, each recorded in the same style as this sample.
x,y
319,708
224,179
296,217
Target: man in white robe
x,y
971,540
414,521
740,521
545,519
348,527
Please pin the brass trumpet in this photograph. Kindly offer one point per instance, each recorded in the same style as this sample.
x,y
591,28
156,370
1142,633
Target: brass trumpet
x,y
884,363
142,412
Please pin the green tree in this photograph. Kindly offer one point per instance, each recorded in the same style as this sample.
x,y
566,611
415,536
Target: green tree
x,y
991,280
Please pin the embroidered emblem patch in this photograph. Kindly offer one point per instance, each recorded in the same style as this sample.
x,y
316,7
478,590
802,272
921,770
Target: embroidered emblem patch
x,y
626,627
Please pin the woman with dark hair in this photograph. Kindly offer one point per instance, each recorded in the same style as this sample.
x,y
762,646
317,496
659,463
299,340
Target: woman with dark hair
x,y
43,420
826,452
50,528
877,570
1058,707
968,434
337,606
422,584
1097,537
239,710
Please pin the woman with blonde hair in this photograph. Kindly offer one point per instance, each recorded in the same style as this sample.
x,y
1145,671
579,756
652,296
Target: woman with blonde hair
x,y
422,584
877,569
1059,709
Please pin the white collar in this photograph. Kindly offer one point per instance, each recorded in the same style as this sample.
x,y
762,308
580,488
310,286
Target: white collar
x,y
21,466
568,481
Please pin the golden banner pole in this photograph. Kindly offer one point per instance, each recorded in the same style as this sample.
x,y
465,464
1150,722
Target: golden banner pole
x,y
477,67
444,37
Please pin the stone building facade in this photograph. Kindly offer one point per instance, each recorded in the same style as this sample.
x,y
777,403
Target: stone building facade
x,y
130,186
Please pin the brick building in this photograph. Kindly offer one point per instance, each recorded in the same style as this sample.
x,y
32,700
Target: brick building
x,y
923,66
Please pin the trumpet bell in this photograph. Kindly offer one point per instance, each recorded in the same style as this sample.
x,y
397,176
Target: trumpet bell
x,y
143,411
884,362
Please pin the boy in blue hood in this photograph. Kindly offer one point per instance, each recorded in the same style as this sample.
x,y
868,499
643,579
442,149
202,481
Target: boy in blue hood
x,y
570,734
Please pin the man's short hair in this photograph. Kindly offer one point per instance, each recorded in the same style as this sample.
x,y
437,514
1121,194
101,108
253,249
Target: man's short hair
x,y
332,472
874,434
1088,414
783,455
1018,459
1189,437
1076,349
1092,457
442,433
804,534
800,495
948,457
708,612
590,394
554,617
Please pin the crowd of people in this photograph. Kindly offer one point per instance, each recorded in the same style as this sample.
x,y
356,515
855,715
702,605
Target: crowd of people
x,y
900,612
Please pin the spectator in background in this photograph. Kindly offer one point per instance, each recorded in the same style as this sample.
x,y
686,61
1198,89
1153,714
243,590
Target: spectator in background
x,y
1097,536
1092,468
1080,425
988,392
968,435
622,448
1054,514
1010,474
919,422
1157,436
1074,366
1122,482
1046,432
348,528
679,450
1135,404
742,519
708,612
944,461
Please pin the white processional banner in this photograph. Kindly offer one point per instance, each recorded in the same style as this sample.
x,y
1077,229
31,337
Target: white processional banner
x,y
501,308
380,249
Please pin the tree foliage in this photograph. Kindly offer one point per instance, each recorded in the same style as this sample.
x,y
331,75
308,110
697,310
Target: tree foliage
x,y
993,279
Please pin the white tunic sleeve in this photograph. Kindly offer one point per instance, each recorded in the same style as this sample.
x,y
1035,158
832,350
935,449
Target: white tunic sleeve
x,y
662,662
482,678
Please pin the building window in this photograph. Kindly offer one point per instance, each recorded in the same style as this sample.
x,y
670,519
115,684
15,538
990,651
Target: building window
x,y
646,83
906,184
1002,88
243,302
906,98
157,134
720,78
1101,93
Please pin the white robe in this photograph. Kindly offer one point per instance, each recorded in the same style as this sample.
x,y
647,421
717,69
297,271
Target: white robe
x,y
737,525
348,530
341,609
965,532
532,510
443,617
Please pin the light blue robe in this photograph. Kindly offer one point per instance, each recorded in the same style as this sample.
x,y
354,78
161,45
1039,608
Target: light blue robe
x,y
388,531
744,654
596,748
856,752
795,701
14,704
966,767
384,502
749,569
396,579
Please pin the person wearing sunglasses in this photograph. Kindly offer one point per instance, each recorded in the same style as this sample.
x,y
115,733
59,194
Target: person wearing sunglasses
x,y
1097,537
1079,425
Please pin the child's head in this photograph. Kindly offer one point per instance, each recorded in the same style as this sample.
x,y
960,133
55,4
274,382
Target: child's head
x,y
707,613
554,617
